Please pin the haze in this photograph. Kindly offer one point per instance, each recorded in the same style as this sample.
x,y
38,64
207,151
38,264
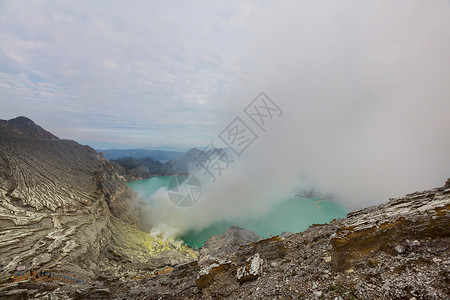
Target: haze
x,y
364,87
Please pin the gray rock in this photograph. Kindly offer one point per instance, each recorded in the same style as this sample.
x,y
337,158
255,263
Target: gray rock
x,y
317,293
251,270
400,249
219,246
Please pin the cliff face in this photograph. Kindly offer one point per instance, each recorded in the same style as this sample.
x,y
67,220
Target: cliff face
x,y
64,208
47,188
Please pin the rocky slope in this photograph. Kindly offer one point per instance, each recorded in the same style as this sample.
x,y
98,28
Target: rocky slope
x,y
218,246
64,208
397,250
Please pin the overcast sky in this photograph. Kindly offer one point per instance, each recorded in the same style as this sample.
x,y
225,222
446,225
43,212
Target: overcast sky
x,y
131,72
163,73
364,85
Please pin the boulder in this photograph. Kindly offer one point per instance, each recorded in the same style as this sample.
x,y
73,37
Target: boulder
x,y
250,270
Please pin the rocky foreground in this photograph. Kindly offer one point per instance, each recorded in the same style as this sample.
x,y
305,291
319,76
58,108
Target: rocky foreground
x,y
397,250
65,209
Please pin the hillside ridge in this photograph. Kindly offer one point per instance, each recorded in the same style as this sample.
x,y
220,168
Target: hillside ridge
x,y
23,126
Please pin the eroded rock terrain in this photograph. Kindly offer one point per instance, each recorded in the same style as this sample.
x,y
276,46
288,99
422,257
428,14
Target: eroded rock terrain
x,y
64,208
219,246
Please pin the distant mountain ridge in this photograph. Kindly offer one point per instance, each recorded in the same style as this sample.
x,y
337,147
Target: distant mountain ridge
x,y
133,168
181,164
24,127
136,168
160,155
130,163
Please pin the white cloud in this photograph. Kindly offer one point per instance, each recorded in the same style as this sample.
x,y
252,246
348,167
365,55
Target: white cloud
x,y
141,61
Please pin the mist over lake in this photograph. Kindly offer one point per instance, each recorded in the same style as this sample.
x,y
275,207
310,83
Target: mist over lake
x,y
292,214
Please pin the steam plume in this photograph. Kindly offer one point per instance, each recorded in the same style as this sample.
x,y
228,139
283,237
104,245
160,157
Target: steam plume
x,y
364,88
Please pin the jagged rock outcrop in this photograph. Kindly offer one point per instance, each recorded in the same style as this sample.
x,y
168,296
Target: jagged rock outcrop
x,y
216,277
250,270
269,249
422,215
64,208
219,246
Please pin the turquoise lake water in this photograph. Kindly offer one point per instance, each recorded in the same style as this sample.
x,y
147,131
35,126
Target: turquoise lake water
x,y
295,214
